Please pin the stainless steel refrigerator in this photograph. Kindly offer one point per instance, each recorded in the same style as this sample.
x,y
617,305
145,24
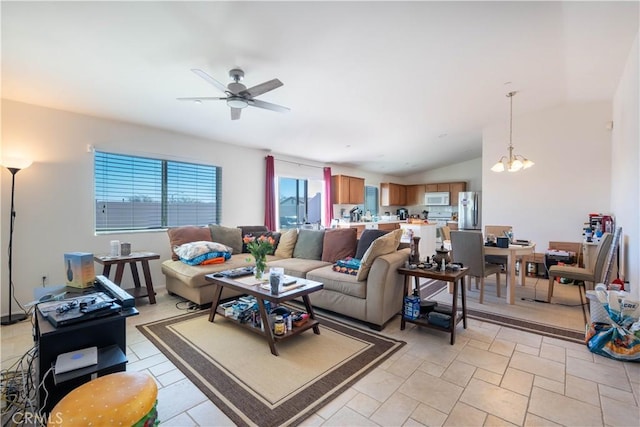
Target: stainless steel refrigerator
x,y
469,210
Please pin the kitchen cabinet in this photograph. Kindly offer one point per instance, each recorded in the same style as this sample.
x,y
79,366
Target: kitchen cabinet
x,y
415,194
388,226
393,194
359,229
347,189
454,189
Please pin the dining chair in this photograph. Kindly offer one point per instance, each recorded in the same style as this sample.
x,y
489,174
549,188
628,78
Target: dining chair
x,y
582,274
497,231
468,249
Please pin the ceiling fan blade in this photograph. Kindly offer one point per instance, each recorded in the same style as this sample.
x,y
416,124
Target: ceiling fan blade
x,y
268,106
235,113
210,79
201,98
262,88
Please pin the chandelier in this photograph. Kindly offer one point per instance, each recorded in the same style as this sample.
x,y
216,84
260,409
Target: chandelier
x,y
514,162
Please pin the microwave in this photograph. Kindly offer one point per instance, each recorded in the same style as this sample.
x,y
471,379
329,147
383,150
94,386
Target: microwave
x,y
440,198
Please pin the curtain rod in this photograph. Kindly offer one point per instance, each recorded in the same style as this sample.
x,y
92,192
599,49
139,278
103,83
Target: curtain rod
x,y
299,164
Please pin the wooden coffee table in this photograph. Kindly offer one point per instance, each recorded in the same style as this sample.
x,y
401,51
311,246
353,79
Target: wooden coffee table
x,y
250,286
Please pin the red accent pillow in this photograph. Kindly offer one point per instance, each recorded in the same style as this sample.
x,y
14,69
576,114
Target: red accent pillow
x,y
339,243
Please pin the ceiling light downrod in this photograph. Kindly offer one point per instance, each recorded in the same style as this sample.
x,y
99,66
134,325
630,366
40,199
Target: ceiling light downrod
x,y
514,162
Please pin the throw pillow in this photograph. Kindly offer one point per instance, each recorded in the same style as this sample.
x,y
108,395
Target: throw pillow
x,y
229,236
309,244
287,242
195,253
186,234
339,243
381,246
366,238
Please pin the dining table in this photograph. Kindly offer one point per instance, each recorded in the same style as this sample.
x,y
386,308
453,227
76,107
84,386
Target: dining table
x,y
512,253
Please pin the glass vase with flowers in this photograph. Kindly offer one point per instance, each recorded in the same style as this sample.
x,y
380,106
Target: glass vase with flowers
x,y
259,247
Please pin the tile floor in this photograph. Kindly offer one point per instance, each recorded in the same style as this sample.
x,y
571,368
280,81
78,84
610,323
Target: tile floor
x,y
492,376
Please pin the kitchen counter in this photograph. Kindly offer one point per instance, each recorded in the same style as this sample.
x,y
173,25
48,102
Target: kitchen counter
x,y
365,223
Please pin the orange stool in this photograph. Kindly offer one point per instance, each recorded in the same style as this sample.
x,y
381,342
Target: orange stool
x,y
123,398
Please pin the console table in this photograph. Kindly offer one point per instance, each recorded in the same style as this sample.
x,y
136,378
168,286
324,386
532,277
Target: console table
x,y
120,261
106,333
454,277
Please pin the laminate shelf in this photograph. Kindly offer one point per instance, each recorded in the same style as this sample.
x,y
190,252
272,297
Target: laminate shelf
x,y
309,324
108,357
454,277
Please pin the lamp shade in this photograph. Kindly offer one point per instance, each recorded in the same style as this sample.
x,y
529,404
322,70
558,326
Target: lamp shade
x,y
15,163
498,167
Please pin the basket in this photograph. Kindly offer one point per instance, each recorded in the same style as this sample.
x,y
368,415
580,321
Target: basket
x,y
599,313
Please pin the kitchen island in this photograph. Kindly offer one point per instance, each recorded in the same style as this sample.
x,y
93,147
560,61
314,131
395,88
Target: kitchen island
x,y
374,225
427,234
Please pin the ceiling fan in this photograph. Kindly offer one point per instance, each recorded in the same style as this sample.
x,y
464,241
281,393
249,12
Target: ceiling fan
x,y
238,96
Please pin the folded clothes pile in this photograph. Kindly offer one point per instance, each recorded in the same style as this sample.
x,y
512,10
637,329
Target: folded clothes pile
x,y
348,266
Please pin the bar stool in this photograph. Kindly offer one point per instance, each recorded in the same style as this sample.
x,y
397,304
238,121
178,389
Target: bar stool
x,y
123,398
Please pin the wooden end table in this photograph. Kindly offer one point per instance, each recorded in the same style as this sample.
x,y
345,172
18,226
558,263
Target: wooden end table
x,y
454,277
248,286
120,261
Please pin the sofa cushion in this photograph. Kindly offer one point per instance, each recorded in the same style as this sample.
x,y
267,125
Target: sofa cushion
x,y
298,267
287,242
338,282
339,243
193,275
381,246
309,244
185,234
229,236
366,238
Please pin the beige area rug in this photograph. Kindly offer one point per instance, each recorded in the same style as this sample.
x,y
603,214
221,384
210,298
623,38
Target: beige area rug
x,y
562,318
236,370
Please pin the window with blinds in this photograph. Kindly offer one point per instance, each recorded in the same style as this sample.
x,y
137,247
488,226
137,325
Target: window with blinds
x,y
139,193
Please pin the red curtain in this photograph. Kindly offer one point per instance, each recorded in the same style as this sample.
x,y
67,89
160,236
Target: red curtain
x,y
328,206
270,195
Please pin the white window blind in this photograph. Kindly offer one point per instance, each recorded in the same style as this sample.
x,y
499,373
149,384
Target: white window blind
x,y
138,193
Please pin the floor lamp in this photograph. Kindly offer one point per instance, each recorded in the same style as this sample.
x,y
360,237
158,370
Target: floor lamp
x,y
14,165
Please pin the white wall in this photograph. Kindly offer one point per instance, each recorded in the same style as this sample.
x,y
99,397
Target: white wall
x,y
54,196
625,158
571,148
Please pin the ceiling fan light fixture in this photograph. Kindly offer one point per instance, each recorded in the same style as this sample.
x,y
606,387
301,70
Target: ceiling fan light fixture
x,y
514,162
237,102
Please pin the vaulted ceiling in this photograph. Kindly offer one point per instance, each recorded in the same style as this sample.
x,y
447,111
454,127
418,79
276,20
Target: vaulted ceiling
x,y
390,87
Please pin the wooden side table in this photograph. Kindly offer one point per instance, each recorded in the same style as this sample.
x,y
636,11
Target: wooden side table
x,y
455,277
120,262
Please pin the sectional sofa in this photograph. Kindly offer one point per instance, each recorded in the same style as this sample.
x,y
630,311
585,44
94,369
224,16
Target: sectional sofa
x,y
372,294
